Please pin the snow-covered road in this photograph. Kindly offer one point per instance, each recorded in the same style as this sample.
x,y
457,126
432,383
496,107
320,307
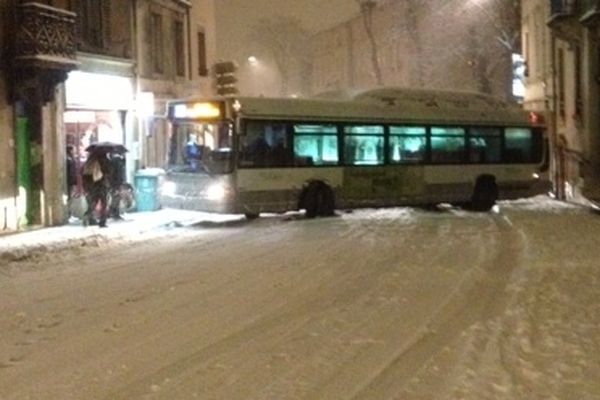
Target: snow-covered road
x,y
376,304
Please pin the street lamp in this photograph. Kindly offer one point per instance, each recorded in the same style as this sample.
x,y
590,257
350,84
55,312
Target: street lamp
x,y
254,75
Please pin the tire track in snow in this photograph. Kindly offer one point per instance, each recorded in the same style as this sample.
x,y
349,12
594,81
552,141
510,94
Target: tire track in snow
x,y
336,287
252,329
474,300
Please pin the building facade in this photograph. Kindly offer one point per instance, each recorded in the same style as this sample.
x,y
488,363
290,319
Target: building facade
x,y
561,50
38,49
75,72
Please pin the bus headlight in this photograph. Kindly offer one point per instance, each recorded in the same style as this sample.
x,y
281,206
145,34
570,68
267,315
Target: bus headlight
x,y
168,188
535,176
216,191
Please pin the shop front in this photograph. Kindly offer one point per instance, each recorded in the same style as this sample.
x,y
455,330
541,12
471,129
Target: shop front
x,y
99,108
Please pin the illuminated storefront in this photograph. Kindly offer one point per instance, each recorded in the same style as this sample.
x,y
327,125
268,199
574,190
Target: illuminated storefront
x,y
99,108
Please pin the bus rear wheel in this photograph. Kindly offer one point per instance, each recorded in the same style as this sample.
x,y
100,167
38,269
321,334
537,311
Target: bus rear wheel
x,y
318,200
485,193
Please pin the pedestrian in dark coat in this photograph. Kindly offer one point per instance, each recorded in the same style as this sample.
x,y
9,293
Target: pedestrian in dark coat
x,y
71,171
96,184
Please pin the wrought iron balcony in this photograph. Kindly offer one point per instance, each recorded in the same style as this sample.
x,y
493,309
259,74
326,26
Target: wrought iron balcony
x,y
590,12
44,38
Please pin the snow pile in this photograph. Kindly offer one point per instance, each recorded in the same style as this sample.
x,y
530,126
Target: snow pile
x,y
544,204
398,214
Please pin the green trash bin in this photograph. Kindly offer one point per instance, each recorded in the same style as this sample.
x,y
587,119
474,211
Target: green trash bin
x,y
146,189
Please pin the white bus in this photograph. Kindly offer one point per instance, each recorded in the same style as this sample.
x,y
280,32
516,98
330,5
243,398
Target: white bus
x,y
384,147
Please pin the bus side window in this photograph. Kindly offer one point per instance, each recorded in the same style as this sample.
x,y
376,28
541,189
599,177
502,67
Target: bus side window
x,y
408,144
518,145
315,145
363,144
485,145
447,145
265,145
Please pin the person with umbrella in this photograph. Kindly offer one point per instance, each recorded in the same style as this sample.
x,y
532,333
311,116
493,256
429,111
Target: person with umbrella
x,y
96,186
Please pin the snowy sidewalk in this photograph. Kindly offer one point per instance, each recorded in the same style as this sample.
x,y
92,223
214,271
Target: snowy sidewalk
x,y
23,245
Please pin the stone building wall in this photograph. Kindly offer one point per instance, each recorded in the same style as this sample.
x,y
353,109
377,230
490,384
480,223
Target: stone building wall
x,y
429,45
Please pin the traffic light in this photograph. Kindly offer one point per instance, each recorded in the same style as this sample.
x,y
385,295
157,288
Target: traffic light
x,y
225,78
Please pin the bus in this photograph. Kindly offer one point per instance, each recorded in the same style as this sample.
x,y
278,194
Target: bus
x,y
377,148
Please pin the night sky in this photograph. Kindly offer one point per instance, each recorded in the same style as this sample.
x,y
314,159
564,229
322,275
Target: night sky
x,y
235,17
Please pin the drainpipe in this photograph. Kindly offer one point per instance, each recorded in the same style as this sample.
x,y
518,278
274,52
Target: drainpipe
x,y
137,136
556,150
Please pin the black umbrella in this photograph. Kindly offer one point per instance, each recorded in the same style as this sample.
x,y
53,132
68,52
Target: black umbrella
x,y
106,147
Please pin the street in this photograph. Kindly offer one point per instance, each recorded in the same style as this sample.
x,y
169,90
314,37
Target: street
x,y
398,303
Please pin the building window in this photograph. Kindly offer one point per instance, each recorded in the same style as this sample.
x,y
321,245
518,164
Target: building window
x,y
179,48
156,43
202,66
92,15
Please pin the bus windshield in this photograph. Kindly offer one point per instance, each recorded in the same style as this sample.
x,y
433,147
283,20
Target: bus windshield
x,y
201,148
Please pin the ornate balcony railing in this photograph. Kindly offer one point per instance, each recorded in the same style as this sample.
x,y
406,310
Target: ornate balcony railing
x,y
562,7
44,37
564,20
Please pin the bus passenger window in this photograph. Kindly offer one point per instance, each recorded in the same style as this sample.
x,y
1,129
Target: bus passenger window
x,y
363,145
518,145
407,144
447,145
315,145
485,145
265,144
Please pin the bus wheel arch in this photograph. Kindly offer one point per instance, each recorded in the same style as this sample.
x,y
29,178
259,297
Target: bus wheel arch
x,y
318,199
485,193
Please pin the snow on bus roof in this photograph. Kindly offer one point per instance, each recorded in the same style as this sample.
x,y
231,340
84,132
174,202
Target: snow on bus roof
x,y
388,105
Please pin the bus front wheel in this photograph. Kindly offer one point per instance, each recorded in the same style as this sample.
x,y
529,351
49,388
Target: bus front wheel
x,y
485,193
318,200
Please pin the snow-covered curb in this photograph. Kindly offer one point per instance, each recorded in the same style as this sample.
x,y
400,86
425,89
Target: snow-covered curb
x,y
140,226
28,251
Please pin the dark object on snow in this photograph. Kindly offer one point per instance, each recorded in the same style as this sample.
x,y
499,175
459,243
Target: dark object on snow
x,y
485,193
